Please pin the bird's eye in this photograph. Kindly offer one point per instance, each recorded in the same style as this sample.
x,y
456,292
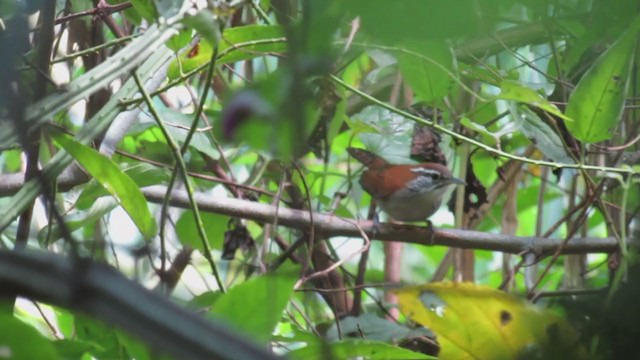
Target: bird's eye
x,y
435,176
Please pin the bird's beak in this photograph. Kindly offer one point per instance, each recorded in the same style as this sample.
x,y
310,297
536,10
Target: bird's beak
x,y
456,181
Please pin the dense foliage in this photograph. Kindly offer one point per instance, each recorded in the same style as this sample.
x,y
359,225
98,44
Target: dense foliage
x,y
200,148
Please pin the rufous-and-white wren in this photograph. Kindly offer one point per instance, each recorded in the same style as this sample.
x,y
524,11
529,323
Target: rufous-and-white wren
x,y
404,192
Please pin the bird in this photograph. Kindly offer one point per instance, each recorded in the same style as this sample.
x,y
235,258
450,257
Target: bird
x,y
405,192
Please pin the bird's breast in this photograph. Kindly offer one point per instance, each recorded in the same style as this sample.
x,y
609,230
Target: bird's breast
x,y
407,205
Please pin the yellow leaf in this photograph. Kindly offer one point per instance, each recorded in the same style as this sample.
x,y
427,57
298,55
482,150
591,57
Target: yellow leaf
x,y
478,322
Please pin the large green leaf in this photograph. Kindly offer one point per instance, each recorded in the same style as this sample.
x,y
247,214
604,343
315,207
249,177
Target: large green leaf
x,y
597,102
20,341
256,305
428,68
478,322
119,185
236,44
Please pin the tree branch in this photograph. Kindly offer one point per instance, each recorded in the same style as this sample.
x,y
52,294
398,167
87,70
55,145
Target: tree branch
x,y
329,226
101,291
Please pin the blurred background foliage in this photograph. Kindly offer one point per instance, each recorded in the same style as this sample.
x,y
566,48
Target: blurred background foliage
x,y
259,99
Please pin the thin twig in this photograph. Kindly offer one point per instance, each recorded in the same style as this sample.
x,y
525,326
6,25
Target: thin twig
x,y
339,263
173,146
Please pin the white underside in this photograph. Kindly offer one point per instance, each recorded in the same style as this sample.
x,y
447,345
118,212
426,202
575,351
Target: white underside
x,y
408,205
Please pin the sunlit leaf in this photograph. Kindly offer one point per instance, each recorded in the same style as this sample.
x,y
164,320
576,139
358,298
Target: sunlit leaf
x,y
478,322
597,102
119,185
236,44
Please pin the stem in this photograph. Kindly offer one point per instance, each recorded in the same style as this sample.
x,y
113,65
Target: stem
x,y
175,150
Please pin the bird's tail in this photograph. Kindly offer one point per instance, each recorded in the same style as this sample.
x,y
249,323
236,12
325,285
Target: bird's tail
x,y
367,158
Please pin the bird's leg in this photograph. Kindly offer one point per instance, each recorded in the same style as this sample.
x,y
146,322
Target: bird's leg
x,y
373,214
375,227
430,233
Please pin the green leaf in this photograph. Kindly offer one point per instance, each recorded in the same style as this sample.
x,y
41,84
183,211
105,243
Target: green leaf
x,y
180,40
119,185
12,160
597,102
237,44
355,349
214,226
205,24
256,305
429,70
512,90
20,341
495,136
204,300
104,339
143,174
75,349
65,320
135,349
146,9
